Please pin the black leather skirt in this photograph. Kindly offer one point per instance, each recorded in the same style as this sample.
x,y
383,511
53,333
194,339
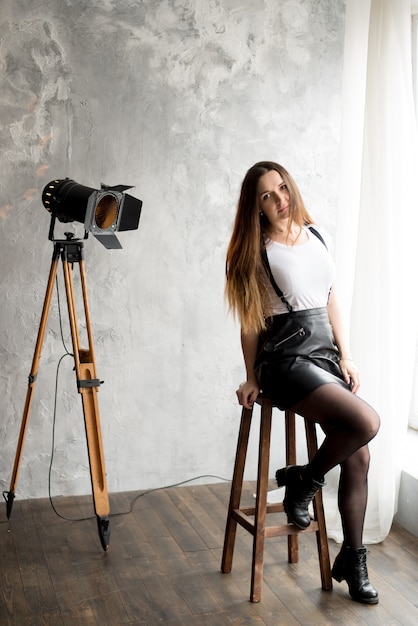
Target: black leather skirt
x,y
296,355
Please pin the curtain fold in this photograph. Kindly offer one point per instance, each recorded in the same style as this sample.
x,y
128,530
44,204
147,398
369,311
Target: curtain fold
x,y
376,240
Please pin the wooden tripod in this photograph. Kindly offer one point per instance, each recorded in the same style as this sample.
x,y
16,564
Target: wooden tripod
x,y
71,251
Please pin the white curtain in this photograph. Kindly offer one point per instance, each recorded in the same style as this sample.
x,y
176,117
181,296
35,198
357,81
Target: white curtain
x,y
377,238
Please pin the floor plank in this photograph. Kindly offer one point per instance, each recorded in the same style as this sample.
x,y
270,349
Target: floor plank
x,y
163,567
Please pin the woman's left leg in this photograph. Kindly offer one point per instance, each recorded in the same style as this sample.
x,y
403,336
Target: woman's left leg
x,y
352,496
350,564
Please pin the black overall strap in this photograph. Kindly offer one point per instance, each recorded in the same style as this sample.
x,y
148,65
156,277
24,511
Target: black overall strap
x,y
275,286
320,237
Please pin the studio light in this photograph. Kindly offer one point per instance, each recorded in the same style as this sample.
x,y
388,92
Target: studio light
x,y
103,211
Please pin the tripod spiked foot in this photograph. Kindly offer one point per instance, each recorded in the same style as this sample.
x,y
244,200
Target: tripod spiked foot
x,y
104,531
9,496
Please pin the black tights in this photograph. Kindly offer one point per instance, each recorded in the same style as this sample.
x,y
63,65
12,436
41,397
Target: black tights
x,y
349,424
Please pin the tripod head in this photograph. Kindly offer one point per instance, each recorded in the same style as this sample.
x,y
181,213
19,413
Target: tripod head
x,y
68,236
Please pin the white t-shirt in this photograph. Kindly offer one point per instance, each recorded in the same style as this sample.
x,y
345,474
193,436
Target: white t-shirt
x,y
303,272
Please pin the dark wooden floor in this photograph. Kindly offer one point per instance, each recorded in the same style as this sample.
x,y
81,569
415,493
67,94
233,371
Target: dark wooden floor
x,y
163,567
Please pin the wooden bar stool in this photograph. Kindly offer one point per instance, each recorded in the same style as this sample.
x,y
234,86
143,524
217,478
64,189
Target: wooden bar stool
x,y
253,519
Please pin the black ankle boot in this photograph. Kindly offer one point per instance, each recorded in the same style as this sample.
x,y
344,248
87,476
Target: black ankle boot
x,y
350,565
300,490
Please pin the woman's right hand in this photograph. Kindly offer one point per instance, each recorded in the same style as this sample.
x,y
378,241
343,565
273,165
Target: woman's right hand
x,y
247,393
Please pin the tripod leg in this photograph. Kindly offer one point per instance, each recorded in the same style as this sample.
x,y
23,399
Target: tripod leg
x,y
9,495
88,386
95,450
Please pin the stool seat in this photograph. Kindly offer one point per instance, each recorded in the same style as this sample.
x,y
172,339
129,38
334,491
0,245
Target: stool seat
x,y
253,518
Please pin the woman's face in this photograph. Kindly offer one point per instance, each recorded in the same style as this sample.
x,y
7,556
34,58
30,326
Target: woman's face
x,y
273,197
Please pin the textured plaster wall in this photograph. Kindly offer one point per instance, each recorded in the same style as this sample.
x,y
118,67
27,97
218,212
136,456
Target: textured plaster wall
x,y
177,98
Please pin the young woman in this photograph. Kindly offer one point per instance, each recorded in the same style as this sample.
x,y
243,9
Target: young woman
x,y
280,284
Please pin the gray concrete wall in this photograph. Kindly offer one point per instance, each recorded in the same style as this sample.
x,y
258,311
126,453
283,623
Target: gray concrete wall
x,y
177,99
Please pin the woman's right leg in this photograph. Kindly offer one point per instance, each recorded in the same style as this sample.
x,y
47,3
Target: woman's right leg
x,y
349,424
348,421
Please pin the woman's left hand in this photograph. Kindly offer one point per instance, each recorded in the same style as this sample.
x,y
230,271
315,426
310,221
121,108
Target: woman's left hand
x,y
350,373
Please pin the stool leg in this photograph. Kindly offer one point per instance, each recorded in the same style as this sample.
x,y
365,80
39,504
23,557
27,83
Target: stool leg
x,y
321,533
290,427
236,490
261,501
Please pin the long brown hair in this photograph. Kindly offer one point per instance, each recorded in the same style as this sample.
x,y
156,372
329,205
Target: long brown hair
x,y
246,284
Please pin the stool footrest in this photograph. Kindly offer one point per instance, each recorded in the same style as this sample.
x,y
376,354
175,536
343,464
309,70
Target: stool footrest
x,y
288,529
243,520
242,517
271,508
